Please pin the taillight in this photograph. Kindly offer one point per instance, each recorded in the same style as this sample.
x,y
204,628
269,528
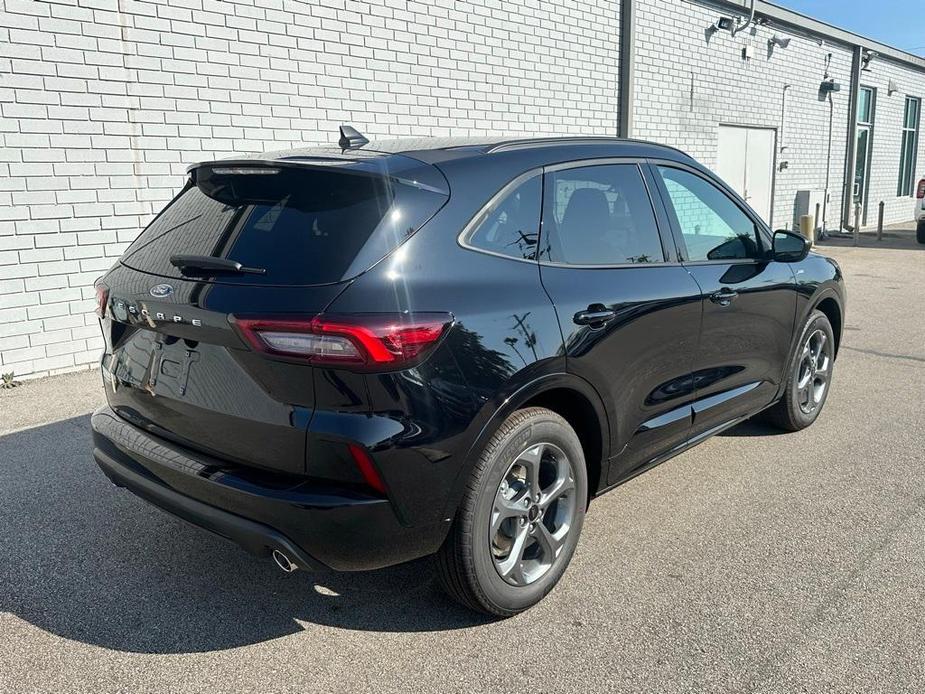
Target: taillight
x,y
361,341
920,191
102,298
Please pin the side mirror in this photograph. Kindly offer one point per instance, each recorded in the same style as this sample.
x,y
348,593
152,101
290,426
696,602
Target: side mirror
x,y
790,247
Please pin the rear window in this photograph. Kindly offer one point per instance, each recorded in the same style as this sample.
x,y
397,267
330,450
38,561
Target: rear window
x,y
295,225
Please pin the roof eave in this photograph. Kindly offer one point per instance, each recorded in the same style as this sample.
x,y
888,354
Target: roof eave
x,y
782,15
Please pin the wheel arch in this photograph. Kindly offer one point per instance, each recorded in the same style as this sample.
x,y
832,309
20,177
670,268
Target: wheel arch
x,y
833,311
578,410
830,302
569,396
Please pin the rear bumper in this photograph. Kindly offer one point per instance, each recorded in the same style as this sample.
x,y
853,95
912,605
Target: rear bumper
x,y
319,527
920,210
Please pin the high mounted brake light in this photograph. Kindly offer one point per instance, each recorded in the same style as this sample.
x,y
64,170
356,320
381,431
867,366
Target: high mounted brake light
x,y
367,342
242,171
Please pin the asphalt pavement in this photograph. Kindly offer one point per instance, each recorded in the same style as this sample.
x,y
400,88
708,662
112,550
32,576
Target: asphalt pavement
x,y
756,562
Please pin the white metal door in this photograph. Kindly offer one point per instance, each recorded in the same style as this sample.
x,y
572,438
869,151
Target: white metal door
x,y
746,163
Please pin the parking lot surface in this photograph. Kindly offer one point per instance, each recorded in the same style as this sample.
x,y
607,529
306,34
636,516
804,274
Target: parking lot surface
x,y
758,561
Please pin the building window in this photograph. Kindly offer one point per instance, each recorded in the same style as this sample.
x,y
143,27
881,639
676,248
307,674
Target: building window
x,y
867,98
910,145
866,106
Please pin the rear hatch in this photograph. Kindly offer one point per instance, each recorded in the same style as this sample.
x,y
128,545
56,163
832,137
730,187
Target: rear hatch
x,y
248,238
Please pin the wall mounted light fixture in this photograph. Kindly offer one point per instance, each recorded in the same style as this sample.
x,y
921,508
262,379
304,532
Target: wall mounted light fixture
x,y
782,41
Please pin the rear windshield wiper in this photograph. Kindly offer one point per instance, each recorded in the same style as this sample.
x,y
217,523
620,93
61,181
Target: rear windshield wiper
x,y
203,264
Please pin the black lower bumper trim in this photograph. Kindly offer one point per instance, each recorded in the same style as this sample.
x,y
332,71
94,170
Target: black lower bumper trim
x,y
316,523
256,538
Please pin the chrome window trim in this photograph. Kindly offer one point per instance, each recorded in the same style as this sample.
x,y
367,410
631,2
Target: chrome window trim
x,y
463,238
473,224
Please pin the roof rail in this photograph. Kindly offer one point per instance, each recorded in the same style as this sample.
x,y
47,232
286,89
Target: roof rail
x,y
549,141
575,140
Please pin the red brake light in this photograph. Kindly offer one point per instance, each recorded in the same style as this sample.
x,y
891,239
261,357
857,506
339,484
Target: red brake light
x,y
920,191
102,298
363,341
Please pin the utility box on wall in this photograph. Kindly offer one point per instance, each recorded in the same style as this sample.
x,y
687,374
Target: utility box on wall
x,y
812,203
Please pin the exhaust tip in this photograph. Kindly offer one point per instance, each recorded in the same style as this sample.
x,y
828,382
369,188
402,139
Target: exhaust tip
x,y
284,562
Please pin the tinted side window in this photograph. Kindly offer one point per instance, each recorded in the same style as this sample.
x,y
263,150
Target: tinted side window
x,y
511,225
599,215
713,226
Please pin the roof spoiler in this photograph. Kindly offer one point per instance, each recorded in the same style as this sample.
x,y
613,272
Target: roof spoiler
x,y
233,181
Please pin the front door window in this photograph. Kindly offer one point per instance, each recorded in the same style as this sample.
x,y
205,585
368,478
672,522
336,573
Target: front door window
x,y
712,226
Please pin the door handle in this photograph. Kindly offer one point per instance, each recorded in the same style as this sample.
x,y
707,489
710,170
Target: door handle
x,y
724,296
595,315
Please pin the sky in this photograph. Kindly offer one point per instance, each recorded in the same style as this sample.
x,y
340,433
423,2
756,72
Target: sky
x,y
894,22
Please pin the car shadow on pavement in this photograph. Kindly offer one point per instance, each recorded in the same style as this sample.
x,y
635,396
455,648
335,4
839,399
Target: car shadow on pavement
x,y
753,427
87,561
900,238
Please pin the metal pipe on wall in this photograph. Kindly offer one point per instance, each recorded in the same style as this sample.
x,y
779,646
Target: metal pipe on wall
x,y
751,18
828,168
851,159
783,117
627,67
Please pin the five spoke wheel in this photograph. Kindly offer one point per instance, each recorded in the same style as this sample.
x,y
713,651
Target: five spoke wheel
x,y
532,513
813,376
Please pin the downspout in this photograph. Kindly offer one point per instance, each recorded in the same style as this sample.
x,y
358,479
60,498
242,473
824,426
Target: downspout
x,y
626,88
851,159
783,117
828,168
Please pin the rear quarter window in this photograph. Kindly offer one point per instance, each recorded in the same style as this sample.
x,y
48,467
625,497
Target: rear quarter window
x,y
510,225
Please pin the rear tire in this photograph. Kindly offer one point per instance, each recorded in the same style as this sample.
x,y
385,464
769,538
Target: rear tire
x,y
520,517
920,232
809,376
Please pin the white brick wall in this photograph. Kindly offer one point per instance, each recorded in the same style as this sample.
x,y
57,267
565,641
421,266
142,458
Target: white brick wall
x,y
104,103
688,82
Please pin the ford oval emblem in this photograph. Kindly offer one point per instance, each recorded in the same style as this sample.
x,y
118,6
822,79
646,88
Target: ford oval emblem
x,y
161,290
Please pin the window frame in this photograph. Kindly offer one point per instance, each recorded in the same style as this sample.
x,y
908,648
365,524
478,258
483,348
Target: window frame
x,y
465,236
863,195
762,230
670,252
871,105
665,240
905,188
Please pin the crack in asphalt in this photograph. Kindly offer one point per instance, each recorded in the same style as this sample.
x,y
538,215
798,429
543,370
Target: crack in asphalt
x,y
886,355
833,601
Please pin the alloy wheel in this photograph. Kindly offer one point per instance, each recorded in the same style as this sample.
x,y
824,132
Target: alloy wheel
x,y
532,514
813,376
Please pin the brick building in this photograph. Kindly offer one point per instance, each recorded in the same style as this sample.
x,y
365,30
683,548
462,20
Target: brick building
x,y
105,102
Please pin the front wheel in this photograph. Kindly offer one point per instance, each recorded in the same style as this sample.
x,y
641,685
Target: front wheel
x,y
519,521
809,376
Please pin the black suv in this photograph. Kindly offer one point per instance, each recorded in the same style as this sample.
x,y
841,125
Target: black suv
x,y
352,357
